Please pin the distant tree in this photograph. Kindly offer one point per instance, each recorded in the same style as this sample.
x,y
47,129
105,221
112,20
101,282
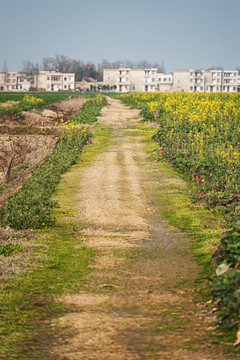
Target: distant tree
x,y
62,63
29,68
48,63
5,67
217,67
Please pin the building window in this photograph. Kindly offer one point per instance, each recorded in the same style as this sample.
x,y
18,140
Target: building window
x,y
191,88
153,80
234,88
65,79
191,80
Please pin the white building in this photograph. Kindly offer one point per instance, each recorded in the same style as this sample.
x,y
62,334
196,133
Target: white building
x,y
196,80
126,79
137,82
181,80
14,81
119,77
8,81
164,82
150,79
223,80
54,81
229,81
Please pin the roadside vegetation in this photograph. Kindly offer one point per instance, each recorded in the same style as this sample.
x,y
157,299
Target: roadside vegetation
x,y
90,110
31,206
37,266
199,135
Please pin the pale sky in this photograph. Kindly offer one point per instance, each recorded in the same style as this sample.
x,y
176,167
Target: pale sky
x,y
183,33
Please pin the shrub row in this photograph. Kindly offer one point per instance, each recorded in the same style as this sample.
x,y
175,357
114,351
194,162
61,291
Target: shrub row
x,y
31,206
90,110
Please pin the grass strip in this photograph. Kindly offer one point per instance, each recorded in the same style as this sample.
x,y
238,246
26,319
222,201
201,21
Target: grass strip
x,y
58,264
90,110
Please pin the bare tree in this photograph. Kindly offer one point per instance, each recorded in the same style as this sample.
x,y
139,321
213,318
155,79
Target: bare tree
x,y
29,68
48,63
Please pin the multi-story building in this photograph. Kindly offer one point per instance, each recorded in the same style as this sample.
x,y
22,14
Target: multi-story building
x,y
8,81
2,81
54,81
196,80
119,77
181,80
24,82
14,81
223,80
229,81
150,79
137,82
164,82
214,82
127,79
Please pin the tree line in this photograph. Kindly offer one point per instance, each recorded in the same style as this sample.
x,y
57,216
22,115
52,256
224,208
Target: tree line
x,y
83,69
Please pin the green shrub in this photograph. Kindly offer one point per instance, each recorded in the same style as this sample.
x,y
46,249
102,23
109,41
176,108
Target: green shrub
x,y
226,286
31,206
9,248
90,110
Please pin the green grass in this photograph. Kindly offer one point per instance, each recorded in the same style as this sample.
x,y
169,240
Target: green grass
x,y
48,97
59,263
172,197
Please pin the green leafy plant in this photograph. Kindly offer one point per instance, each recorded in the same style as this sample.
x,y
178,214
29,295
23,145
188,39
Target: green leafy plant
x,y
90,110
31,206
10,248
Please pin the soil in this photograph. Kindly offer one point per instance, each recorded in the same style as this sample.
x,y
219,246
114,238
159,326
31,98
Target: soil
x,y
62,110
31,146
139,301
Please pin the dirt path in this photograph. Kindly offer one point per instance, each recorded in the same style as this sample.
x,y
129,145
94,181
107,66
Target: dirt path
x,y
138,301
